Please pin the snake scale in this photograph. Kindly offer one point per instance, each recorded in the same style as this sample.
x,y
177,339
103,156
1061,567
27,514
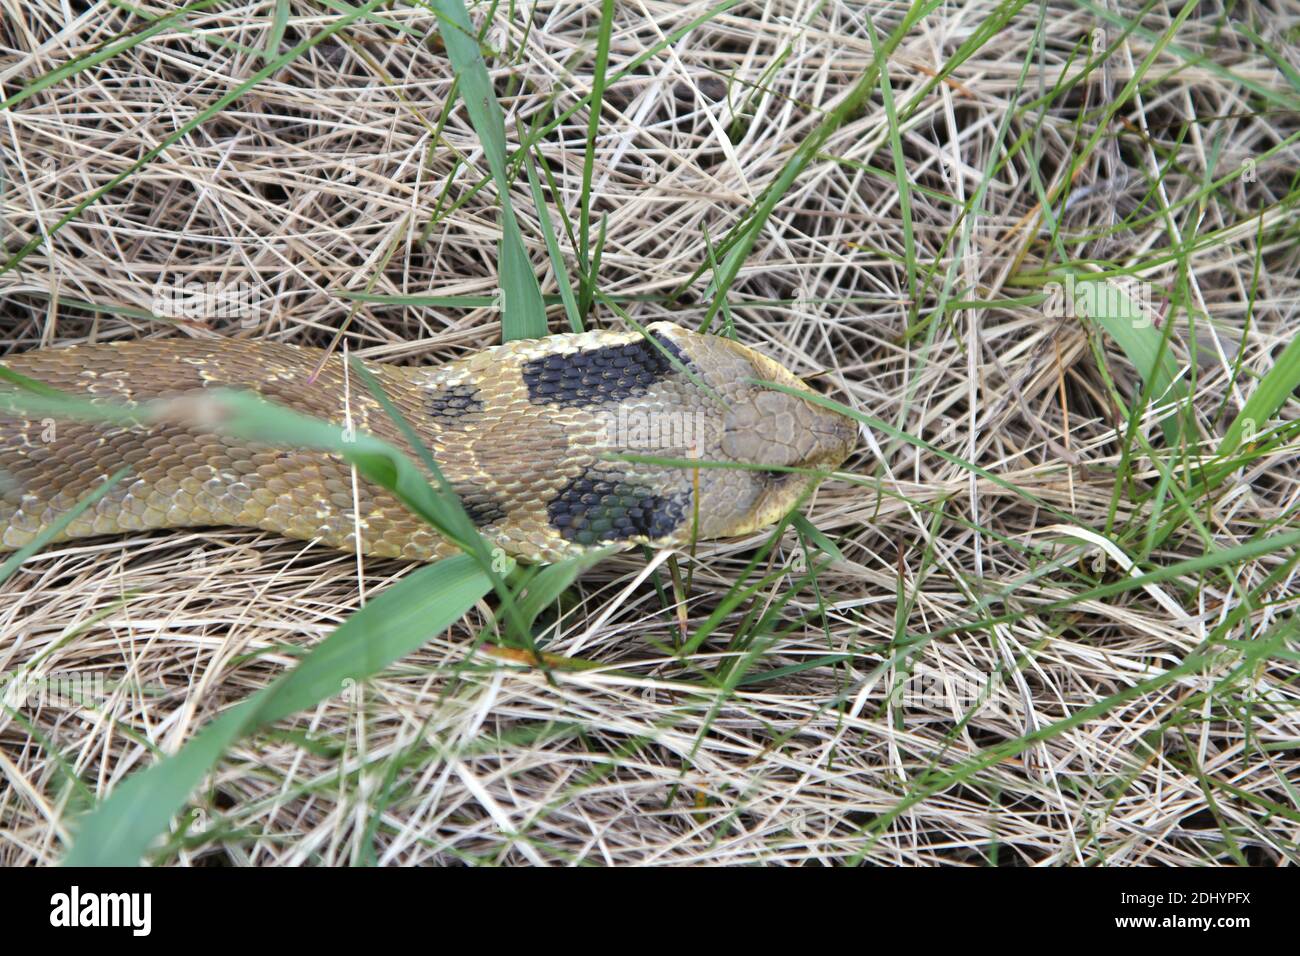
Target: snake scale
x,y
528,434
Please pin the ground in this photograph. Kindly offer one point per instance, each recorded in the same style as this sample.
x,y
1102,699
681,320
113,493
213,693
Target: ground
x,y
1047,613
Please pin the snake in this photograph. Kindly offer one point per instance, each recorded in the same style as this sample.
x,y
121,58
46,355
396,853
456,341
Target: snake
x,y
555,447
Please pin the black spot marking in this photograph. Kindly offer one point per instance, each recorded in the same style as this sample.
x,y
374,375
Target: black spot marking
x,y
450,403
483,508
610,373
595,507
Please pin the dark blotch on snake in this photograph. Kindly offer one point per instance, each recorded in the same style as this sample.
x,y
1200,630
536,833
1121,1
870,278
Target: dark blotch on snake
x,y
610,373
483,508
598,507
451,403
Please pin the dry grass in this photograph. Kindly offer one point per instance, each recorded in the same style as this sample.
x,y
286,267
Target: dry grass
x,y
346,168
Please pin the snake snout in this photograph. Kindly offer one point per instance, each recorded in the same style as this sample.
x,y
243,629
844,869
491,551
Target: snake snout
x,y
783,430
837,435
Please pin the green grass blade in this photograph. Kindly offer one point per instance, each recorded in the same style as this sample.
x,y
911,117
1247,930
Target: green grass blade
x,y
12,563
1201,658
901,178
1273,390
549,583
139,34
279,20
816,536
1281,98
395,623
247,415
804,153
596,102
1133,329
523,315
553,249
185,128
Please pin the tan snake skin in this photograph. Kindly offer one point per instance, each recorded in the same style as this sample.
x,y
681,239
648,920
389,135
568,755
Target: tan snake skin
x,y
523,432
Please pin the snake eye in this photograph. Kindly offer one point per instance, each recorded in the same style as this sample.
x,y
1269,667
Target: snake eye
x,y
777,478
818,383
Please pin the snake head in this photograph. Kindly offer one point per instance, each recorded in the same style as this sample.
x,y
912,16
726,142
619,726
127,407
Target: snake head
x,y
793,442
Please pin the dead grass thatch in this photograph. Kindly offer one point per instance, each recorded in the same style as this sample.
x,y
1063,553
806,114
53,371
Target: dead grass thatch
x,y
346,169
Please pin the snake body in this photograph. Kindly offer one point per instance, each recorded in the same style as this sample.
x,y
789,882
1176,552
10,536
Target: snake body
x,y
528,434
